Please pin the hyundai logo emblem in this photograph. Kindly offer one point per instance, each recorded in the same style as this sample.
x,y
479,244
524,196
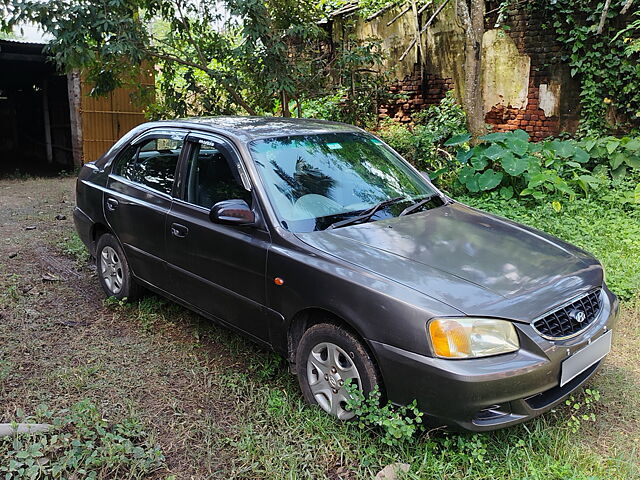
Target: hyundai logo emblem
x,y
578,315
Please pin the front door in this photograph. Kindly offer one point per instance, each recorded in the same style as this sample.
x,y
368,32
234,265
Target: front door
x,y
220,269
138,198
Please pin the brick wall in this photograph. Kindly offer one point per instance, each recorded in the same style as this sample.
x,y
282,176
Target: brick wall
x,y
415,93
530,39
531,119
525,29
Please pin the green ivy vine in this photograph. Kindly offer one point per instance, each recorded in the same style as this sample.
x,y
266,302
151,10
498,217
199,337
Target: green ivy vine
x,y
608,71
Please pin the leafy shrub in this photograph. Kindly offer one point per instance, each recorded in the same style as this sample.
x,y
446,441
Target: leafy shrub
x,y
424,143
604,65
550,169
81,444
326,108
613,155
353,86
398,424
582,408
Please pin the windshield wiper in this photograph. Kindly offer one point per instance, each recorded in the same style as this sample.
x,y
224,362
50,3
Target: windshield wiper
x,y
367,214
416,206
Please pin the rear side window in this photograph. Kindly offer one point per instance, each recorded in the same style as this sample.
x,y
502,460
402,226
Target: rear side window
x,y
212,177
152,163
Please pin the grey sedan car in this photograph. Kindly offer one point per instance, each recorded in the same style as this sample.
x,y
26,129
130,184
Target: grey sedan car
x,y
320,242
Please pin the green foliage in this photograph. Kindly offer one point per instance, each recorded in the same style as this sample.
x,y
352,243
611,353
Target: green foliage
x,y
631,36
80,444
244,56
425,144
582,408
73,246
605,66
358,73
553,169
353,84
369,7
613,155
327,107
398,424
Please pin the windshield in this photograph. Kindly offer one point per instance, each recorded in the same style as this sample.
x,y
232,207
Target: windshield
x,y
314,181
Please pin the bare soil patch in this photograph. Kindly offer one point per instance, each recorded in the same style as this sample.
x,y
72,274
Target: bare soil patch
x,y
61,343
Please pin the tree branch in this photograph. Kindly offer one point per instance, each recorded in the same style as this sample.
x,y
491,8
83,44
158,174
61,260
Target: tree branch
x,y
626,7
433,17
380,12
183,19
390,22
603,17
212,73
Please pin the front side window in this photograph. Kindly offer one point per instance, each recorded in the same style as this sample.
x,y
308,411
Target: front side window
x,y
151,163
313,181
212,176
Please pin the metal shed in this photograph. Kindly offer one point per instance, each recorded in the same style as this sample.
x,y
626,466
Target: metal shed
x,y
48,121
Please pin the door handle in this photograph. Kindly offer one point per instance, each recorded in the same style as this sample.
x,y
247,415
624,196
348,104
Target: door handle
x,y
112,204
178,230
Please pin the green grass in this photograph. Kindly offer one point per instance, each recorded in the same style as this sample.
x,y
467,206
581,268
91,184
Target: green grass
x,y
80,444
73,246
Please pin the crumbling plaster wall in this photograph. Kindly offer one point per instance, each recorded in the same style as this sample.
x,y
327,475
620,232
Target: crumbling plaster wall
x,y
520,88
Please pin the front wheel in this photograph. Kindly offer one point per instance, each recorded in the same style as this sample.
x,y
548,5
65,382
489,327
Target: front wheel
x,y
327,357
113,270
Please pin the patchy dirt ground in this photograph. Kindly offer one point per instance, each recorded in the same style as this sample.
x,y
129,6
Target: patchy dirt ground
x,y
218,406
60,343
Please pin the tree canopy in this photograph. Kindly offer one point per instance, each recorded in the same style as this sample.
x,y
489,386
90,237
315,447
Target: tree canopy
x,y
212,56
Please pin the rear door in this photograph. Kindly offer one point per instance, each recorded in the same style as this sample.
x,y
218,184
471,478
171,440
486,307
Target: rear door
x,y
138,198
220,269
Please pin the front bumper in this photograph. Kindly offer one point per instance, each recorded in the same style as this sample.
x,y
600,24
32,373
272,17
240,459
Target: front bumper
x,y
493,392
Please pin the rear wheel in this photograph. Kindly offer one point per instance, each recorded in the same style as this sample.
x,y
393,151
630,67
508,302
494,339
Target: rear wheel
x,y
327,357
113,270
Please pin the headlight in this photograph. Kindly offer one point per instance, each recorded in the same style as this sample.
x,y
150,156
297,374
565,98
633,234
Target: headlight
x,y
472,337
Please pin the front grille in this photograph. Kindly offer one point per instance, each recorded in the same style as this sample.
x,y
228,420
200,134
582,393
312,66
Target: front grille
x,y
565,322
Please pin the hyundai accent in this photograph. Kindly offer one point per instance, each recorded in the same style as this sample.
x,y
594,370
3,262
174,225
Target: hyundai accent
x,y
320,242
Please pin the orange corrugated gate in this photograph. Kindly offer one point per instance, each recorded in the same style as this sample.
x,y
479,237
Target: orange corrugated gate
x,y
105,119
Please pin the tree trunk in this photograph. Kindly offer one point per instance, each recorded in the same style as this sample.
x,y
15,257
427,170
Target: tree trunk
x,y
285,104
471,14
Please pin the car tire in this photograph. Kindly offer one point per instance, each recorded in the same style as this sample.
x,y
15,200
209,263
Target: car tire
x,y
113,270
326,357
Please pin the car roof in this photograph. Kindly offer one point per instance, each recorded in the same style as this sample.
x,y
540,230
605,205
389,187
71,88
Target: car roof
x,y
251,128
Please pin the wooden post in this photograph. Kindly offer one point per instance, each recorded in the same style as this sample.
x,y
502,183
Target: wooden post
x,y
73,89
47,120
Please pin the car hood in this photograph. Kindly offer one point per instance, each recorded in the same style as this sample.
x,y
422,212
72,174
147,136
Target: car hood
x,y
475,262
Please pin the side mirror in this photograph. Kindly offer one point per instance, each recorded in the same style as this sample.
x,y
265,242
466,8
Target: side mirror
x,y
232,212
